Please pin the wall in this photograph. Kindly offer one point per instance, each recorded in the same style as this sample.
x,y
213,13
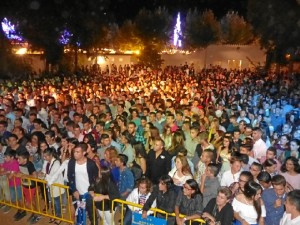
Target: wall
x,y
226,56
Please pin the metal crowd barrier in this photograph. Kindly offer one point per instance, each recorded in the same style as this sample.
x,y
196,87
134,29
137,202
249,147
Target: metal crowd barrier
x,y
154,210
36,202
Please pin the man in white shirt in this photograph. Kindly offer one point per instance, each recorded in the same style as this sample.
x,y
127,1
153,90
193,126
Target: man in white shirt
x,y
259,148
233,174
292,207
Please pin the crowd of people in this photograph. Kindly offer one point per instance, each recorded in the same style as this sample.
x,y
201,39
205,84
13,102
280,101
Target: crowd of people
x,y
221,145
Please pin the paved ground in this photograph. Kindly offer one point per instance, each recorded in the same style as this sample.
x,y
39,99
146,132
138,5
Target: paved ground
x,y
7,219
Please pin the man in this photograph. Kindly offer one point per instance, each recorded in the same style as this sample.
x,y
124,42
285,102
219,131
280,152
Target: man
x,y
20,132
132,129
246,149
292,205
158,162
152,119
126,182
171,122
4,133
232,175
82,172
274,199
87,128
259,147
13,145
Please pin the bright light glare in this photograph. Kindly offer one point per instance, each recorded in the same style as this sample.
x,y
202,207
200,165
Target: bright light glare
x,y
21,51
100,60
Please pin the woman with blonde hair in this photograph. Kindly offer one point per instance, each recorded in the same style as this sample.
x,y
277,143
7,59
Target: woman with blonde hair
x,y
224,154
177,143
167,137
181,172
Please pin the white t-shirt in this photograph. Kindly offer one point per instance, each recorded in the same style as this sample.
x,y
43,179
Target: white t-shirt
x,y
286,220
247,212
228,178
82,178
259,149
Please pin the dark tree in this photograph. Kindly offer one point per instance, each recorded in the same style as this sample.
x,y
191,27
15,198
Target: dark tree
x,y
277,25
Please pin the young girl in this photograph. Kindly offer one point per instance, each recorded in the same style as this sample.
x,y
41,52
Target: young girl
x,y
53,165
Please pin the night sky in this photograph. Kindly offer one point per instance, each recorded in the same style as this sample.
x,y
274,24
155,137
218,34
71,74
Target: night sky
x,y
128,9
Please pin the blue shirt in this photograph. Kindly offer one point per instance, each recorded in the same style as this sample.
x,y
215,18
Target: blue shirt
x,y
126,182
273,214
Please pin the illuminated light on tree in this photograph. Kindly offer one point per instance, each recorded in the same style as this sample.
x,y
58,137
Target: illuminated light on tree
x,y
65,37
177,32
10,30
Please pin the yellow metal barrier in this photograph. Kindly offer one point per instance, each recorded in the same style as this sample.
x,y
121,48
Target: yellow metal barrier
x,y
36,204
155,210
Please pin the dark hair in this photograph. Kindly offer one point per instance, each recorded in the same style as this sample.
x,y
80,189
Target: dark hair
x,y
195,186
13,136
264,176
250,190
10,153
272,149
166,179
278,180
51,152
294,198
247,174
123,158
269,162
24,155
50,133
294,161
258,165
139,150
128,137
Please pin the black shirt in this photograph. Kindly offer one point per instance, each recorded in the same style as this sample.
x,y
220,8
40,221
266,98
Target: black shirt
x,y
27,169
157,167
225,216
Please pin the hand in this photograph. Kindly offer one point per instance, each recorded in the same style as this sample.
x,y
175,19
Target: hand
x,y
76,195
99,198
278,203
144,214
179,221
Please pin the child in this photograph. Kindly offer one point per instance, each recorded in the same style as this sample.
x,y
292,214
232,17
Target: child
x,y
4,187
27,170
11,166
206,158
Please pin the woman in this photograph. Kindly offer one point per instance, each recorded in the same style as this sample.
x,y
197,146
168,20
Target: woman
x,y
224,154
135,117
122,123
139,196
217,141
165,197
282,146
126,140
167,137
53,165
103,192
110,155
177,143
181,172
294,149
219,210
147,135
140,160
91,153
189,202
248,206
291,172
